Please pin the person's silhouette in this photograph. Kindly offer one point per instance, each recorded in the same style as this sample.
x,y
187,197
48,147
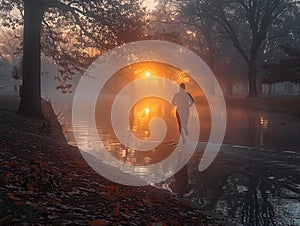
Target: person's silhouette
x,y
183,101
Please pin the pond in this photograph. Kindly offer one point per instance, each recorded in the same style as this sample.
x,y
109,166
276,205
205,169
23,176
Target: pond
x,y
254,180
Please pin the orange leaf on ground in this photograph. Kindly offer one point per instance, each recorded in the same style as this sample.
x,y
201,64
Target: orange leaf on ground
x,y
19,203
79,162
147,200
109,189
12,198
30,187
97,223
52,200
173,222
116,211
8,174
139,203
186,203
12,163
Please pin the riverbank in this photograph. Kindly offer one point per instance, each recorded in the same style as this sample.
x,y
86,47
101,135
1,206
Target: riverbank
x,y
45,181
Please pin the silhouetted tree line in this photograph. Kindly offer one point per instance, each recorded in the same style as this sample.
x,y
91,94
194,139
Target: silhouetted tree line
x,y
287,69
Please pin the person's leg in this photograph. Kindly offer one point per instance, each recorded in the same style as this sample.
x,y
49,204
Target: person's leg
x,y
178,121
184,122
180,127
186,132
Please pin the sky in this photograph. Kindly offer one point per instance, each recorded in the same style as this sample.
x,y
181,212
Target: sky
x,y
150,4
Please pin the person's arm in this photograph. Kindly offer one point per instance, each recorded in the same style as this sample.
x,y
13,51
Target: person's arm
x,y
174,100
191,102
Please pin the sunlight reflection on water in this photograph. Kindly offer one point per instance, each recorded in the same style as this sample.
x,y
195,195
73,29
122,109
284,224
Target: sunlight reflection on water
x,y
139,120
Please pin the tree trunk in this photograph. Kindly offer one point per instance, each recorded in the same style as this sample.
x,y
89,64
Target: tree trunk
x,y
252,73
30,104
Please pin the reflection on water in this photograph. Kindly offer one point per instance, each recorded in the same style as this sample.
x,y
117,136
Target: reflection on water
x,y
139,120
101,141
145,110
255,179
248,185
262,129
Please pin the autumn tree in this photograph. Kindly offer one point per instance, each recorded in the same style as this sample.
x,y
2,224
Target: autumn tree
x,y
287,69
247,23
10,45
208,42
66,30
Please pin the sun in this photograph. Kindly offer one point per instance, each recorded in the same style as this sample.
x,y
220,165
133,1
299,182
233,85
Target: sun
x,y
147,74
147,110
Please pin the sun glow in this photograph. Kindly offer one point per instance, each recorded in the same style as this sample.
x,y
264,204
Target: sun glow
x,y
147,110
148,74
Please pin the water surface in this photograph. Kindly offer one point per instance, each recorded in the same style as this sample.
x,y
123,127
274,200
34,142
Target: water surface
x,y
255,179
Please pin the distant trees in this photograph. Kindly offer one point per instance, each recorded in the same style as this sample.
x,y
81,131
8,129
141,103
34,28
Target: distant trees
x,y
247,23
10,44
203,27
17,70
73,33
68,30
287,69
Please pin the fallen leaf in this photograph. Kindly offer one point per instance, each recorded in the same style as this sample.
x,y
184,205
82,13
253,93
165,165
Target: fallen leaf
x,y
97,223
12,163
8,174
30,187
109,189
19,203
186,203
116,211
52,200
12,198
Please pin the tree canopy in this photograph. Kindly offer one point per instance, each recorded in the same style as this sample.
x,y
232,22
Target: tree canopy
x,y
75,32
72,33
250,25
